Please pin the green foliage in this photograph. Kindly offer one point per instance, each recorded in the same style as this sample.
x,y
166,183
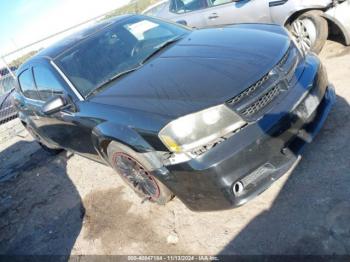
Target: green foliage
x,y
17,62
135,7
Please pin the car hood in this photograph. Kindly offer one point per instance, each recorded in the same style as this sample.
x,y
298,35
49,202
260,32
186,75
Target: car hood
x,y
206,68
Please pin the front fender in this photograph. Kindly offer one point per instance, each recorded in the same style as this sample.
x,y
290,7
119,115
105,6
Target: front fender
x,y
339,15
107,132
284,12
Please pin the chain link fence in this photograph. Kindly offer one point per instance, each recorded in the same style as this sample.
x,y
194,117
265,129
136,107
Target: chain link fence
x,y
7,110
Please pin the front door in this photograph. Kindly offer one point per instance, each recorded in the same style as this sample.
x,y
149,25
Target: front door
x,y
63,128
226,12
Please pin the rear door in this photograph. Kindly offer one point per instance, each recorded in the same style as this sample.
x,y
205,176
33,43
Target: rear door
x,y
226,12
188,12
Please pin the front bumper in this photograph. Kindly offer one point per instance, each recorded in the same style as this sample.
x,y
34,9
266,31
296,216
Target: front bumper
x,y
260,153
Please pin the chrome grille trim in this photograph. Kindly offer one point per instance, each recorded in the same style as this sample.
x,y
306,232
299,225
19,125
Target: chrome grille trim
x,y
262,101
285,57
250,90
251,102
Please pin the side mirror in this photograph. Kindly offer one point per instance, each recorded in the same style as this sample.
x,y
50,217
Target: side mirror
x,y
54,105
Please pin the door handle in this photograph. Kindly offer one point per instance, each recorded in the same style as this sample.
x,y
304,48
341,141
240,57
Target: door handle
x,y
213,16
182,22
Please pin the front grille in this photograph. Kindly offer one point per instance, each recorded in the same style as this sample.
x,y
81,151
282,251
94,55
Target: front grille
x,y
262,102
250,90
254,101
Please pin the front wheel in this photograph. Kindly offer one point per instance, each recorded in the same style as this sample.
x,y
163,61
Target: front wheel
x,y
134,169
310,31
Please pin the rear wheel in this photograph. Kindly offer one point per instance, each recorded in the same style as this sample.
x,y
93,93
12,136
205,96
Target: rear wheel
x,y
310,31
134,169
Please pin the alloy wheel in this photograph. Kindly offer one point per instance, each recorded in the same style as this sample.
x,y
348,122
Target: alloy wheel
x,y
136,176
305,33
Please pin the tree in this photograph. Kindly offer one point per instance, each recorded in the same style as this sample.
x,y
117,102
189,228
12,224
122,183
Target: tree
x,y
17,62
135,7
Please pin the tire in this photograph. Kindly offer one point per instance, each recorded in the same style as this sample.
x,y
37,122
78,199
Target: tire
x,y
134,169
310,31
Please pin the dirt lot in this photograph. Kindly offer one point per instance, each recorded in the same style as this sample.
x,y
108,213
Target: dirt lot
x,y
69,205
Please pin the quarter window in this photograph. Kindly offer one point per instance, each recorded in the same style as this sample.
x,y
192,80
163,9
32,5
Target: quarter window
x,y
184,6
47,84
27,85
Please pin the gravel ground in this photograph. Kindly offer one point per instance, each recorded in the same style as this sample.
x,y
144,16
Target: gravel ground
x,y
66,204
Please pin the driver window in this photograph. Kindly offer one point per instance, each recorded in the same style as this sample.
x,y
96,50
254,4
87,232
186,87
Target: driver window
x,y
185,6
47,84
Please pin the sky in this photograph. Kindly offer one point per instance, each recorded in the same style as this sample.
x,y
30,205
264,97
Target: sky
x,y
25,21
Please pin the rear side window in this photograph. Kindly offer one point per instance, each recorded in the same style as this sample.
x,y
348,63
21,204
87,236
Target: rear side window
x,y
27,85
220,2
46,82
185,6
155,10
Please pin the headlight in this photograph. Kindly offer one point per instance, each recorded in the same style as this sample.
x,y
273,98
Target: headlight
x,y
198,129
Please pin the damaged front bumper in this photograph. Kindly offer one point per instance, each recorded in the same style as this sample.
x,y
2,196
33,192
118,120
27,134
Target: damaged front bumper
x,y
260,153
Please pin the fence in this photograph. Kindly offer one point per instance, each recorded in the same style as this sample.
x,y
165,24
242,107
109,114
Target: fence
x,y
7,83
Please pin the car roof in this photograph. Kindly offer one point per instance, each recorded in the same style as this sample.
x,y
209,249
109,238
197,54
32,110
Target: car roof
x,y
59,47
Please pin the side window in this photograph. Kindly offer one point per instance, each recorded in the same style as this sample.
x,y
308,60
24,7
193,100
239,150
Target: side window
x,y
47,84
155,10
185,6
220,2
27,85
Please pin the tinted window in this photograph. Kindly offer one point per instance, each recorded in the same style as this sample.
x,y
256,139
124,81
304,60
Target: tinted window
x,y
47,84
116,49
220,2
27,85
184,6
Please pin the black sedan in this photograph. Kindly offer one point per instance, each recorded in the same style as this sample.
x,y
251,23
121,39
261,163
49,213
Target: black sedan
x,y
211,116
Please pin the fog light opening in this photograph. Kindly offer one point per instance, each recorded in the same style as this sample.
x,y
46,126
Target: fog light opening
x,y
238,188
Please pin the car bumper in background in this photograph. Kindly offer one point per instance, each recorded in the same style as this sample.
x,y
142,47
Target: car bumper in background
x,y
339,15
260,153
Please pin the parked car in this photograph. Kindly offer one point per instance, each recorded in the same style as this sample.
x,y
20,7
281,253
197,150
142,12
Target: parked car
x,y
308,21
154,9
206,115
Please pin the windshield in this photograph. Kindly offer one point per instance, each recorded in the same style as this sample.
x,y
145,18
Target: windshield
x,y
119,48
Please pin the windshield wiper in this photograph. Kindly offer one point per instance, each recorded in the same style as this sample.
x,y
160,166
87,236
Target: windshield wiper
x,y
157,49
160,47
106,82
